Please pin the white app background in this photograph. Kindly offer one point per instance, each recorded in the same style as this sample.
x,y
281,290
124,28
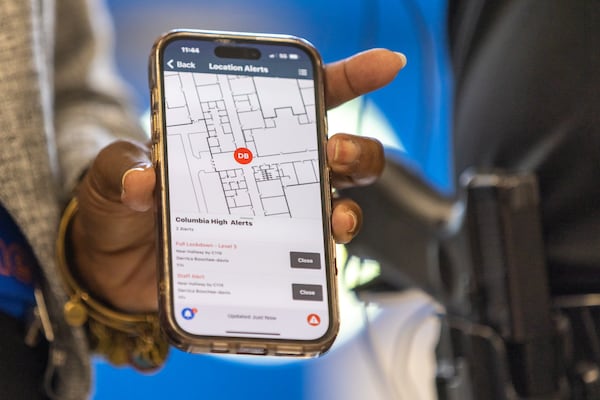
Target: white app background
x,y
244,193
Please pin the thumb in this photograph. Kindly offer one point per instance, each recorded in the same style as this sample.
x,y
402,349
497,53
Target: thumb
x,y
122,173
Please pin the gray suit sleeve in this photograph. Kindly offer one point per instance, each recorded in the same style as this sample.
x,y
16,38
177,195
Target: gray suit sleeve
x,y
90,99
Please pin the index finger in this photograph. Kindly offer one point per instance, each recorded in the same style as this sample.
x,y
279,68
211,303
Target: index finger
x,y
360,74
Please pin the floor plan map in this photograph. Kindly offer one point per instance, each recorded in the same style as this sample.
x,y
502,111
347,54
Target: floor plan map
x,y
242,145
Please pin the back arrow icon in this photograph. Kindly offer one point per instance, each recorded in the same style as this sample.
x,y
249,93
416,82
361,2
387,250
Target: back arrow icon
x,y
170,64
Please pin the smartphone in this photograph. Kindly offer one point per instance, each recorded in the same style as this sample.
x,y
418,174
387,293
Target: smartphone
x,y
247,259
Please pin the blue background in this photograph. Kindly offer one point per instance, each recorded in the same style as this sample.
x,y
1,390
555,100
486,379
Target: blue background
x,y
415,106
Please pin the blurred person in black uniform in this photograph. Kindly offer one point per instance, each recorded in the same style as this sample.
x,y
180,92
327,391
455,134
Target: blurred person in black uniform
x,y
526,100
527,97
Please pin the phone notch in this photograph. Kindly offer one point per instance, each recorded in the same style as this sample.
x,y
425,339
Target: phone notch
x,y
238,52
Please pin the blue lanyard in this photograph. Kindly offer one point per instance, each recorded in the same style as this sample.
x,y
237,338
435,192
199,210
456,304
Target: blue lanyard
x,y
17,268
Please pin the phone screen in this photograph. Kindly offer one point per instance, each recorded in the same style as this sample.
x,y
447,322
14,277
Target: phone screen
x,y
247,221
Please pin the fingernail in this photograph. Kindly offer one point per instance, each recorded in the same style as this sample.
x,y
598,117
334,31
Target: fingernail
x,y
353,222
402,57
129,171
346,152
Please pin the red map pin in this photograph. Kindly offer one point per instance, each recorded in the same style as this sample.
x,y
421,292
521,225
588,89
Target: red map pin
x,y
243,155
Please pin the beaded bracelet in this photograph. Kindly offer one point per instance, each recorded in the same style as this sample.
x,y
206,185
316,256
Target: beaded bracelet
x,y
123,338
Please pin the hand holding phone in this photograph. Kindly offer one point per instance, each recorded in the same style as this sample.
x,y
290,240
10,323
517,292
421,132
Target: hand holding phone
x,y
247,260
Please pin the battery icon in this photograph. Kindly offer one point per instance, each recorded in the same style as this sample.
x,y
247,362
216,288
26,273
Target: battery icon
x,y
293,56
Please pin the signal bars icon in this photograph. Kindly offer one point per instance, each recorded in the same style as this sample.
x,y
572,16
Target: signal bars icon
x,y
284,56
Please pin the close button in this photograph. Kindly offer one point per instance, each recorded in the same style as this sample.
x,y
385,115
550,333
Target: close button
x,y
307,292
305,260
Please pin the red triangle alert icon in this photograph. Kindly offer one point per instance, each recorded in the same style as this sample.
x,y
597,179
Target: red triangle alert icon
x,y
313,319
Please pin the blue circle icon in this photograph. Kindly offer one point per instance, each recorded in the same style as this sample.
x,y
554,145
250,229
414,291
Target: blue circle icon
x,y
187,313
